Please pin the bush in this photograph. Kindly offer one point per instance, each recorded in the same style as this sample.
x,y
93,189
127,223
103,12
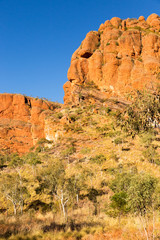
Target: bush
x,y
151,155
118,141
69,151
99,159
43,141
90,85
59,115
142,115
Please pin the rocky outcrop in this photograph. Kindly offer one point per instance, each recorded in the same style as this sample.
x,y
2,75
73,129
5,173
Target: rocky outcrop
x,y
119,58
110,64
22,121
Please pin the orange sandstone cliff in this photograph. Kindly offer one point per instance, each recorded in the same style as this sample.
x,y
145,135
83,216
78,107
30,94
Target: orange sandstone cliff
x,y
122,56
22,121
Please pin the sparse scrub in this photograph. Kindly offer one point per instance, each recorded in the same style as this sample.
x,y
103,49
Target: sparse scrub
x,y
73,196
151,155
99,159
142,115
118,140
90,85
85,150
68,151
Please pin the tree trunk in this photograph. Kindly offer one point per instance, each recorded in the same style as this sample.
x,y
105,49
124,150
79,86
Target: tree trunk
x,y
153,222
15,209
77,197
144,227
63,209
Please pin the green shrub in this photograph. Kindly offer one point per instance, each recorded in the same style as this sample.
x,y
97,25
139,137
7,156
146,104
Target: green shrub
x,y
118,141
90,85
69,151
151,155
59,115
142,115
85,150
99,159
43,141
73,117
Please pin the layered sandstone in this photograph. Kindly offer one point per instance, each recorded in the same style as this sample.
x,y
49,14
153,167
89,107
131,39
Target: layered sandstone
x,y
22,121
119,58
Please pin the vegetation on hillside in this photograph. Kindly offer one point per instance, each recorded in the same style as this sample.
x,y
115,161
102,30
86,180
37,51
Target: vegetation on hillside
x,y
100,180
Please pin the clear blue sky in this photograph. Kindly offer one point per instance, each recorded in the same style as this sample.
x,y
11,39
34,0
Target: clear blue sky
x,y
38,38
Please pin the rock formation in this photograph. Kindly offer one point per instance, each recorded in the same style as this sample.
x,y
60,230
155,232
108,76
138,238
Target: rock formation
x,y
119,58
22,121
111,63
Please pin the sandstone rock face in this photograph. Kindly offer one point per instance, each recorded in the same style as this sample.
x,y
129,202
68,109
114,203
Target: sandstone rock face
x,y
22,121
121,57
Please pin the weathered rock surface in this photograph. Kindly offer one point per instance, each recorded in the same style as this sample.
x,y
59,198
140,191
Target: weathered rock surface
x,y
119,58
22,121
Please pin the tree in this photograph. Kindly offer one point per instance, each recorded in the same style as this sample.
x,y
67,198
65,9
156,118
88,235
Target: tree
x,y
137,193
140,193
13,189
32,158
120,186
59,187
143,114
92,196
141,198
119,204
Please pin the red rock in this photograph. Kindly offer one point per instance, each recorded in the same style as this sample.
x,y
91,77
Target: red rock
x,y
151,18
116,22
122,57
141,18
22,121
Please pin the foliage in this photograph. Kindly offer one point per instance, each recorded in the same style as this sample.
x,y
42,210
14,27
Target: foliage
x,y
118,140
151,155
133,191
13,189
143,114
99,159
32,158
3,160
69,151
61,189
59,115
15,160
42,141
73,127
119,204
140,193
90,85
80,191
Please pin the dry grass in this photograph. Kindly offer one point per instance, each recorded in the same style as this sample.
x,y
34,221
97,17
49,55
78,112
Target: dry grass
x,y
98,137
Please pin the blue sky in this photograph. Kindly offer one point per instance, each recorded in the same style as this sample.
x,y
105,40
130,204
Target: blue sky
x,y
38,38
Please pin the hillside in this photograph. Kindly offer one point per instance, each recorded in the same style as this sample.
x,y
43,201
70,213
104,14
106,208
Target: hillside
x,y
80,166
88,169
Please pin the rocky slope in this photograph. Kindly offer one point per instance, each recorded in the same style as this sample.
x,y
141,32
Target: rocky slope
x,y
22,121
122,56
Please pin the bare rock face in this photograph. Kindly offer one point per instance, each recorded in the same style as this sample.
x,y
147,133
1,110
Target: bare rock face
x,y
121,57
22,121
